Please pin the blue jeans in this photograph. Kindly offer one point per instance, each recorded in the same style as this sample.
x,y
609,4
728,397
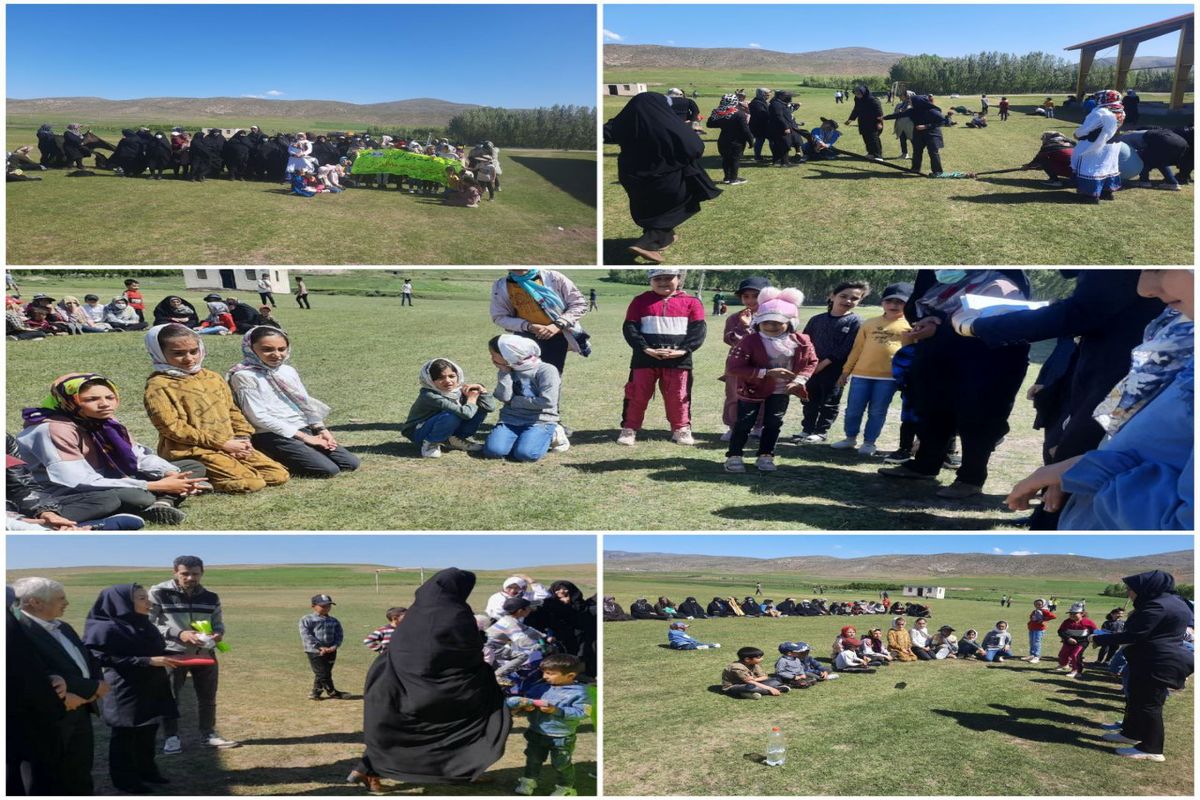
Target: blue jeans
x,y
521,442
1035,643
445,424
872,396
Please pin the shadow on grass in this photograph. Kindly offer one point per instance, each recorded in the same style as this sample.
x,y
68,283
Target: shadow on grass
x,y
1012,723
575,176
616,252
368,426
314,738
859,173
1087,704
1024,183
1057,198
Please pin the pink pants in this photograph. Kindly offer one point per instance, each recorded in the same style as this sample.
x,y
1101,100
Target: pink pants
x,y
1071,655
676,386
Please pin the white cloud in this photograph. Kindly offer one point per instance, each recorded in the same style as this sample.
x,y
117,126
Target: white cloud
x,y
997,551
755,45
1070,554
253,96
612,36
670,41
274,93
1022,553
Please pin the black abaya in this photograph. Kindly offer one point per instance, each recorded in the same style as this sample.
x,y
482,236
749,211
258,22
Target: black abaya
x,y
659,163
433,712
572,623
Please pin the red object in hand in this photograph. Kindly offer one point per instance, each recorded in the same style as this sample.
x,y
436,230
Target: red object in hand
x,y
539,703
192,661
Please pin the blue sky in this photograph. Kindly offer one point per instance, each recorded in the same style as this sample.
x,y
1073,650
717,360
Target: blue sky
x,y
847,546
511,56
946,30
468,552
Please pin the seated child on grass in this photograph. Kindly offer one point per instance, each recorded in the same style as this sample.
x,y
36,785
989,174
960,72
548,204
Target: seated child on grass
x,y
377,641
678,638
846,656
510,642
997,643
969,645
796,666
899,642
746,679
921,636
528,389
874,649
448,410
196,417
556,705
944,644
769,366
289,423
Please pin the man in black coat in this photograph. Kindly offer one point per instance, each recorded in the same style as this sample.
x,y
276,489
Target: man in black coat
x,y
1109,317
43,602
869,113
759,113
32,716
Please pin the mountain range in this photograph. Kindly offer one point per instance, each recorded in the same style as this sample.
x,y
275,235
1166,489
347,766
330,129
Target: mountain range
x,y
1179,563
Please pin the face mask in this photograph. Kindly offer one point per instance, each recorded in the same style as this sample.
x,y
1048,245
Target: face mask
x,y
949,276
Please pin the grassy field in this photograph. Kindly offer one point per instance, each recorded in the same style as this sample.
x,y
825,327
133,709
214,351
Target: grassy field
x,y
847,211
291,745
362,356
545,214
918,729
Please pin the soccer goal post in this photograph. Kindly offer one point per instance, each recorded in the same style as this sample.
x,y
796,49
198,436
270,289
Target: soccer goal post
x,y
387,570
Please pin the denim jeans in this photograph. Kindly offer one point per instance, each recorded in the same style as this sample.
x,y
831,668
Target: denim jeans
x,y
445,424
521,442
1035,643
873,397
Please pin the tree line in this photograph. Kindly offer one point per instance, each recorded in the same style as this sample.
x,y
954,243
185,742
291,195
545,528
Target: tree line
x,y
992,71
554,128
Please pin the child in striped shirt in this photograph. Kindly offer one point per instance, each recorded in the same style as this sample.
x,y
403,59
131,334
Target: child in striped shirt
x,y
377,641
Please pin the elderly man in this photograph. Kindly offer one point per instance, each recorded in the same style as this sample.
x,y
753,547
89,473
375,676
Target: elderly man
x,y
43,602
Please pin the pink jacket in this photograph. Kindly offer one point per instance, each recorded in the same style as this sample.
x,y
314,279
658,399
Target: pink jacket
x,y
748,364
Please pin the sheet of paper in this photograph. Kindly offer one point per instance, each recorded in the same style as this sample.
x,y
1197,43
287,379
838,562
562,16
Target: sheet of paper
x,y
999,305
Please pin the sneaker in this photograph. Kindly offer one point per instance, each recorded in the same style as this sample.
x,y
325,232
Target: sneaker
x,y
727,435
683,436
1054,184
1142,184
808,438
765,463
628,437
952,461
735,464
560,443
431,450
1118,737
162,512
315,696
458,443
898,456
959,491
737,182
867,449
172,746
336,695
213,739
564,791
526,786
1133,752
849,443
1071,673
1113,726
753,695
904,471
1034,660
119,522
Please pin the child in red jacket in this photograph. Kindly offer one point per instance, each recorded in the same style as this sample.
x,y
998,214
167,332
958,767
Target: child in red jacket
x,y
133,293
1038,618
770,365
1076,631
663,326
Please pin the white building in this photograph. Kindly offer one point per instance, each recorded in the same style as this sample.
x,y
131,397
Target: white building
x,y
241,279
624,89
928,592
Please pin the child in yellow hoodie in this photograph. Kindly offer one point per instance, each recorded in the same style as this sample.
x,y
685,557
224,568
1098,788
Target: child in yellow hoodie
x,y
196,417
870,365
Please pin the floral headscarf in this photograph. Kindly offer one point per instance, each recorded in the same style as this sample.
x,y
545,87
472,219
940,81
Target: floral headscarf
x,y
1168,347
110,438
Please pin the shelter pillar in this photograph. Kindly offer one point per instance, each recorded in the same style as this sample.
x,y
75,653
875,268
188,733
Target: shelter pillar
x,y
1125,53
1184,60
1086,56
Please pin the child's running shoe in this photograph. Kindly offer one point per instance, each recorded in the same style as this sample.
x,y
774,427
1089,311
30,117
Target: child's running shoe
x,y
866,449
526,786
1133,752
683,436
808,438
735,464
560,443
466,445
849,443
897,456
765,463
627,437
431,450
952,461
162,512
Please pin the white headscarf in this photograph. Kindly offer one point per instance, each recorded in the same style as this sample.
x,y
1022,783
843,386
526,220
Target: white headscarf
x,y
426,378
520,353
158,359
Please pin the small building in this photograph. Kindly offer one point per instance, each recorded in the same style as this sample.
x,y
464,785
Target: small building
x,y
624,89
241,279
928,592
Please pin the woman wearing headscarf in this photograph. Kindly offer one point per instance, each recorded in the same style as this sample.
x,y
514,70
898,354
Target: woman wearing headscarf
x,y
734,124
718,608
1157,661
691,608
960,384
869,113
613,611
566,616
927,121
759,111
641,609
200,158
133,654
782,130
122,316
52,154
528,390
73,147
289,423
1096,158
516,586
433,712
73,442
659,168
130,155
174,308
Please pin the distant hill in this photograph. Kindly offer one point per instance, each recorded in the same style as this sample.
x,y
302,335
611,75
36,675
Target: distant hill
x,y
414,112
1179,563
1142,62
839,61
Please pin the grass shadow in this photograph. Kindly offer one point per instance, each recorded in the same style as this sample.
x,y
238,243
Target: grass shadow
x,y
312,738
1086,704
575,176
1011,723
368,426
858,173
1052,197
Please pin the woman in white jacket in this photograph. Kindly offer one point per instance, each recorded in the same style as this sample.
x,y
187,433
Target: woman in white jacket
x,y
1096,160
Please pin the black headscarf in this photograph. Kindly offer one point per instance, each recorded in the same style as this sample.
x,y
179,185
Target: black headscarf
x,y
1150,586
572,623
653,139
433,710
113,626
164,312
1155,631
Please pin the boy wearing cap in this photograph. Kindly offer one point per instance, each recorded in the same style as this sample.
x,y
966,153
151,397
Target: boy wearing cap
x,y
663,326
679,639
870,366
944,644
321,634
510,642
797,667
821,140
1076,631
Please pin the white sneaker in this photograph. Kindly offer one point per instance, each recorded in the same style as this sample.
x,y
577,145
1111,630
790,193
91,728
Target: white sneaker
x,y
683,436
833,676
765,463
560,443
849,443
1033,660
727,435
1071,674
466,445
628,437
735,464
1133,752
1118,737
867,449
812,438
172,746
213,739
431,450
526,786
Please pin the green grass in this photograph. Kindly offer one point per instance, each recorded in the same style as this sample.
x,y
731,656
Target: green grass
x,y
362,355
923,729
546,213
846,211
291,745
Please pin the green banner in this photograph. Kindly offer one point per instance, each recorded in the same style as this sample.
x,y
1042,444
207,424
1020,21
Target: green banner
x,y
401,162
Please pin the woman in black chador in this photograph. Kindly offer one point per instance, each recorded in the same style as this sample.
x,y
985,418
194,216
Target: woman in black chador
x,y
659,166
433,710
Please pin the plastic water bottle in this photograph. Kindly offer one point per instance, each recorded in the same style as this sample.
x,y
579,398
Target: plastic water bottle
x,y
776,748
